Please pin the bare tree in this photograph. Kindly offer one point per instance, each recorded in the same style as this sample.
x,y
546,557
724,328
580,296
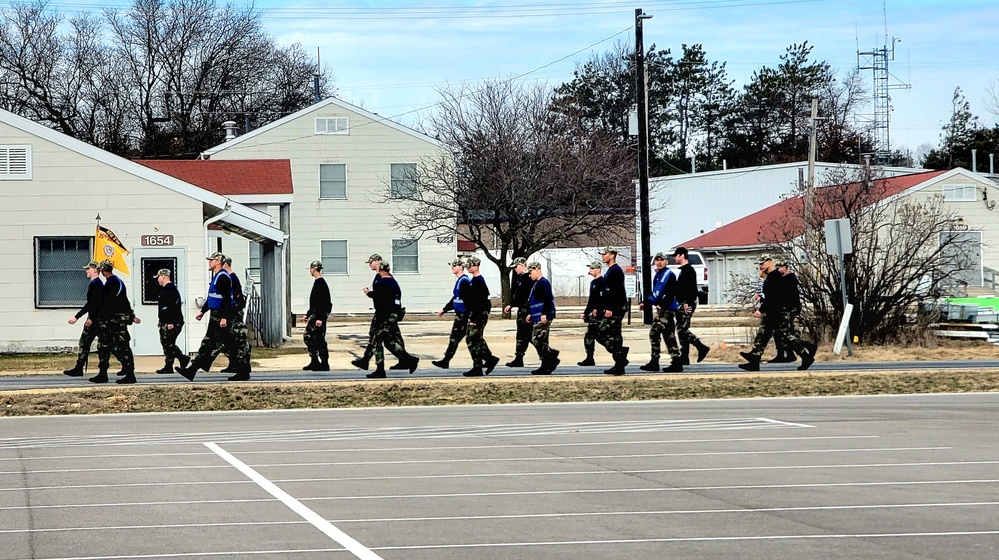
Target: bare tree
x,y
904,251
516,176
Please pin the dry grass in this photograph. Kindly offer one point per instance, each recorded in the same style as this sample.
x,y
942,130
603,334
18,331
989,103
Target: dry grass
x,y
251,396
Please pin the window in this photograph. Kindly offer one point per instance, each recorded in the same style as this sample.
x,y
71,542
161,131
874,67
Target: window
x,y
405,255
403,180
332,125
253,262
59,277
334,256
150,282
15,162
332,180
957,193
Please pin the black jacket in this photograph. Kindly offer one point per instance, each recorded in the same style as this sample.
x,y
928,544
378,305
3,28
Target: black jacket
x,y
773,293
115,299
95,295
686,285
520,290
387,296
615,299
475,294
596,299
169,305
320,303
792,294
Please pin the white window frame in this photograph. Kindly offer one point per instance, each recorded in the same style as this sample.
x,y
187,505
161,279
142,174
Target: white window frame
x,y
15,152
960,192
74,269
395,192
327,260
332,125
319,174
395,259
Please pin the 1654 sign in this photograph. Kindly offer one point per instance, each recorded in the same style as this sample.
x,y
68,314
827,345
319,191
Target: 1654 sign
x,y
156,240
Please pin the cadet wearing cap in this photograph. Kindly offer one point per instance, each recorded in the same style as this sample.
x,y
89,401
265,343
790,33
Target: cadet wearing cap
x,y
387,296
238,350
459,327
541,306
790,310
771,307
320,307
374,261
95,293
593,312
170,313
477,302
221,307
113,339
686,297
663,301
615,306
520,287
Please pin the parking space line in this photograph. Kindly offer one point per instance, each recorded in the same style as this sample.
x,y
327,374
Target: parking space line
x,y
327,528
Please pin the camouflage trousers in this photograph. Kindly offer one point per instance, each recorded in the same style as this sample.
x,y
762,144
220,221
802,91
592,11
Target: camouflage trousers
x,y
590,338
168,340
606,331
539,338
459,328
113,339
786,320
664,327
238,348
774,325
477,346
315,337
216,339
86,341
525,331
683,334
386,334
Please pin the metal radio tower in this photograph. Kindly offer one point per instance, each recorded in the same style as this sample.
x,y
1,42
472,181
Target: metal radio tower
x,y
877,60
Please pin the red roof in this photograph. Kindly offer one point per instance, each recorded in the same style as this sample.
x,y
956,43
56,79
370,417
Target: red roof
x,y
785,220
229,177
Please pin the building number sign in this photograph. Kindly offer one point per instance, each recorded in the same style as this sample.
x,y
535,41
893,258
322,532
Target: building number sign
x,y
156,240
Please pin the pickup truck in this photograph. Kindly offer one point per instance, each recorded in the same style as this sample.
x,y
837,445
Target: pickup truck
x,y
700,267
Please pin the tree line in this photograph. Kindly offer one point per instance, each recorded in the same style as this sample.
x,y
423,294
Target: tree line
x,y
154,79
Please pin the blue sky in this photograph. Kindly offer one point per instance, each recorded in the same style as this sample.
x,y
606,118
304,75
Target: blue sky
x,y
390,56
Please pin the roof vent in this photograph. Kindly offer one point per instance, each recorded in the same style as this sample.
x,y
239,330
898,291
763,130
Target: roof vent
x,y
231,130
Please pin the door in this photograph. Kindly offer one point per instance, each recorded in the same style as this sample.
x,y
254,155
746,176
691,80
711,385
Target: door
x,y
145,291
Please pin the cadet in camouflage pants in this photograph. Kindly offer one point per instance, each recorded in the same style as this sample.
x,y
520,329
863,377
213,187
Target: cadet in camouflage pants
x,y
459,330
216,339
664,326
387,335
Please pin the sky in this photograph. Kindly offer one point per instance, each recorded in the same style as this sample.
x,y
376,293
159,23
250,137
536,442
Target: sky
x,y
392,56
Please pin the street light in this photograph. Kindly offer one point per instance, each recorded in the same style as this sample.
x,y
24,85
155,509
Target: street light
x,y
643,162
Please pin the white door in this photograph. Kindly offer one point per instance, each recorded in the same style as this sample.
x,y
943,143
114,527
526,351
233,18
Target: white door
x,y
145,291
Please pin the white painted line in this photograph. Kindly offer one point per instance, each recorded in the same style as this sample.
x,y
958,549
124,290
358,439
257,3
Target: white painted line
x,y
738,511
782,423
697,539
446,447
496,460
237,553
327,528
520,493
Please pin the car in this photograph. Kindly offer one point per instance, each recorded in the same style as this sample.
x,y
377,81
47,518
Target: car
x,y
700,267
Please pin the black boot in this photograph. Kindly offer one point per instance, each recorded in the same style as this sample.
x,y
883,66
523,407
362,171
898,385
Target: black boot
x,y
588,361
190,371
675,366
102,375
401,365
442,363
360,363
685,355
476,370
411,363
77,370
379,372
313,362
808,356
518,361
167,366
185,360
548,364
242,373
490,364
127,378
752,362
702,351
653,365
323,363
620,360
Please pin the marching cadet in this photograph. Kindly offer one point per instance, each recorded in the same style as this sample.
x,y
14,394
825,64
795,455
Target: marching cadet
x,y
374,261
615,306
221,307
95,293
459,328
519,290
387,296
238,350
541,308
663,300
769,313
686,298
320,307
593,312
790,310
477,302
171,321
116,315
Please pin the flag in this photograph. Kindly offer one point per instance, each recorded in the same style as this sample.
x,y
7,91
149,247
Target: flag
x,y
108,246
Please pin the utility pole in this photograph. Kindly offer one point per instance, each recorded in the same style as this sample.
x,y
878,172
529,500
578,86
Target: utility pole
x,y
643,163
810,185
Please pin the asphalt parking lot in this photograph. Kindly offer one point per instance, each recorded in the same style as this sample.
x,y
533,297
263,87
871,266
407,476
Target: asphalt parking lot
x,y
900,477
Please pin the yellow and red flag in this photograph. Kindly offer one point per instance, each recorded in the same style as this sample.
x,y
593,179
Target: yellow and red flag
x,y
108,246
